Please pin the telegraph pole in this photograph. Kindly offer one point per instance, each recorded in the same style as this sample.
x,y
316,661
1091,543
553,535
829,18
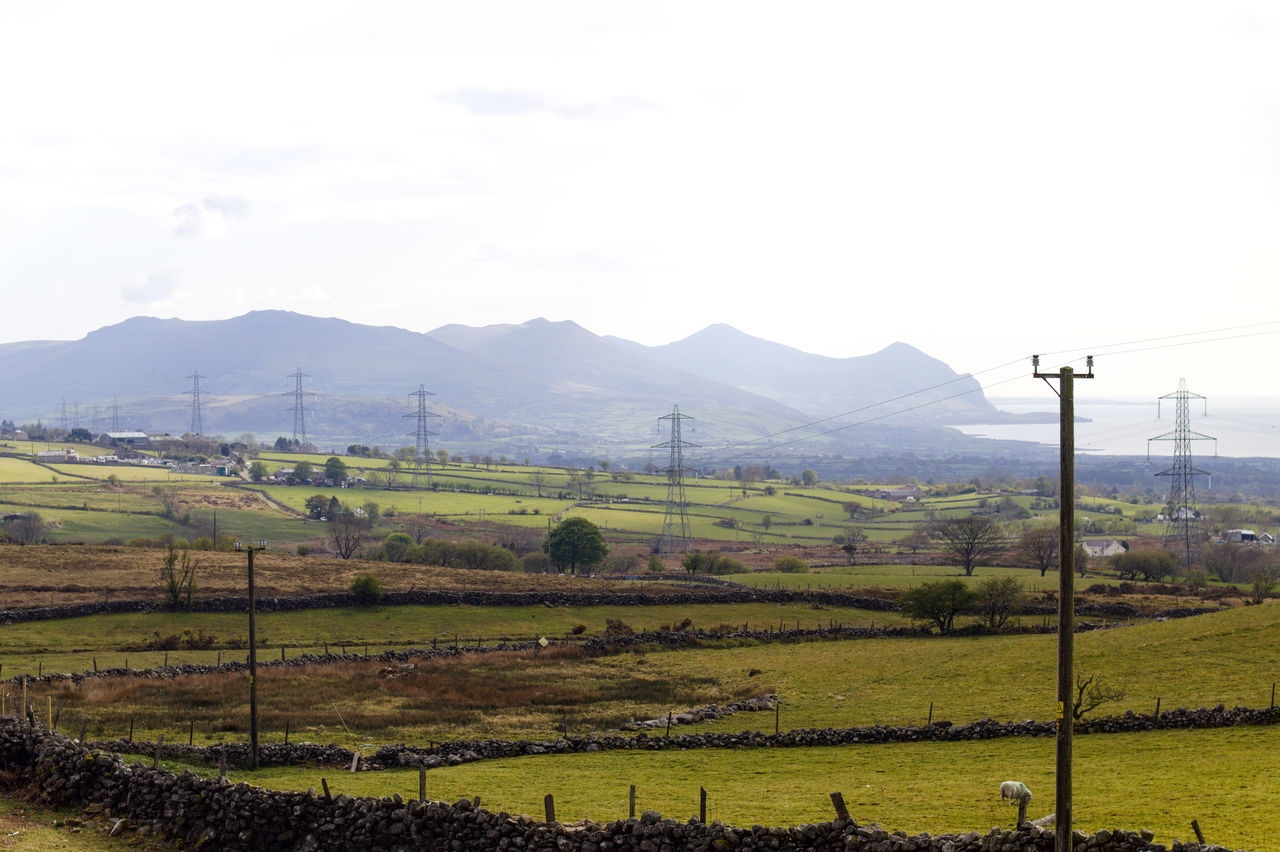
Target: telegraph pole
x,y
253,657
1066,587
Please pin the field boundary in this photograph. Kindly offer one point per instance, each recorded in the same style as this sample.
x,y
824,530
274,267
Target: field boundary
x,y
457,752
211,812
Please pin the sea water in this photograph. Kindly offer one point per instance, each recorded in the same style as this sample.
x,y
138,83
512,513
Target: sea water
x,y
1243,427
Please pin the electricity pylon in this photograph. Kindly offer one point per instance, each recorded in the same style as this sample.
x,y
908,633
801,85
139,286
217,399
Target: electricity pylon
x,y
675,523
1182,530
197,417
299,409
421,459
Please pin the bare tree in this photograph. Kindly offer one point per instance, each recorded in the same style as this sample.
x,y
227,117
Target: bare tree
x,y
177,575
1092,692
347,530
1037,547
26,528
539,479
968,541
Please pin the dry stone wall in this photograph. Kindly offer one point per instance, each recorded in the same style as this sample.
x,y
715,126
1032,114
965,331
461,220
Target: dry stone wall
x,y
211,814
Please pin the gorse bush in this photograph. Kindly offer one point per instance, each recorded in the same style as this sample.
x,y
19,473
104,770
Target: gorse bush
x,y
367,590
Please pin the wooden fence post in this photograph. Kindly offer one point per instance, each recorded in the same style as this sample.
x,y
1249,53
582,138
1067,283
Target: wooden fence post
x,y
702,805
84,726
777,716
631,806
222,763
930,713
130,729
286,731
669,713
191,733
1157,708
1022,812
837,799
325,786
155,760
549,804
422,783
1195,826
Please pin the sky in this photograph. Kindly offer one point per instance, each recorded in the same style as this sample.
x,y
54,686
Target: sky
x,y
981,180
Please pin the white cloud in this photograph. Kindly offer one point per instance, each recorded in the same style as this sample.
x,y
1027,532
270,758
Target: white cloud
x,y
208,218
156,287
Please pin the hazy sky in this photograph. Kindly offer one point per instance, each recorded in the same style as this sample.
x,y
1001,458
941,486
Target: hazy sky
x,y
981,180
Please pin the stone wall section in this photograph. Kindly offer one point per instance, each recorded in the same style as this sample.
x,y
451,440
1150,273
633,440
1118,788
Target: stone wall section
x,y
203,813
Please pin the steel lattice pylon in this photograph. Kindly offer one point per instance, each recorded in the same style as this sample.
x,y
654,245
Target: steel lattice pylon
x,y
299,409
197,405
675,524
421,450
1182,531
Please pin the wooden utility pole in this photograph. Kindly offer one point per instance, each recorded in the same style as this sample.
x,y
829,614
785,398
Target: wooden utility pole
x,y
1066,588
253,657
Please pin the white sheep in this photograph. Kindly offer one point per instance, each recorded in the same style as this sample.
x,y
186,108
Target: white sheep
x,y
1014,792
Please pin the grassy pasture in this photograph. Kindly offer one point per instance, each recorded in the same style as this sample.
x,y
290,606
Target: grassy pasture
x,y
1160,780
1228,657
21,471
73,647
131,473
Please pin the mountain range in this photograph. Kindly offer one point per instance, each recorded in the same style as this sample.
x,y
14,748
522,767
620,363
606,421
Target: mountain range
x,y
533,385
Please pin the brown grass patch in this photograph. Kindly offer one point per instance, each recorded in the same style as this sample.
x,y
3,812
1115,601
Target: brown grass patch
x,y
37,575
516,693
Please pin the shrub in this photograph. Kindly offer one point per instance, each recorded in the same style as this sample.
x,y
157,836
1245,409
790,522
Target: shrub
x,y
367,590
304,550
535,563
656,565
617,627
791,565
938,602
578,629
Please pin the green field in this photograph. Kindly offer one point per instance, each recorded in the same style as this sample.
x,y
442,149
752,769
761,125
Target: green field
x,y
25,645
1160,780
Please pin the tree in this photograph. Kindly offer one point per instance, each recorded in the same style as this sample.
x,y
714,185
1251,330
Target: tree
x,y
1148,564
938,602
576,542
177,575
347,530
1037,547
998,599
968,541
1091,692
1262,583
443,457
849,541
257,471
766,521
27,527
539,479
335,470
809,477
169,503
303,471
915,540
316,505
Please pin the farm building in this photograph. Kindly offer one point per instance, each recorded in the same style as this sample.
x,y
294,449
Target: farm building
x,y
65,454
1104,546
1242,536
124,439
